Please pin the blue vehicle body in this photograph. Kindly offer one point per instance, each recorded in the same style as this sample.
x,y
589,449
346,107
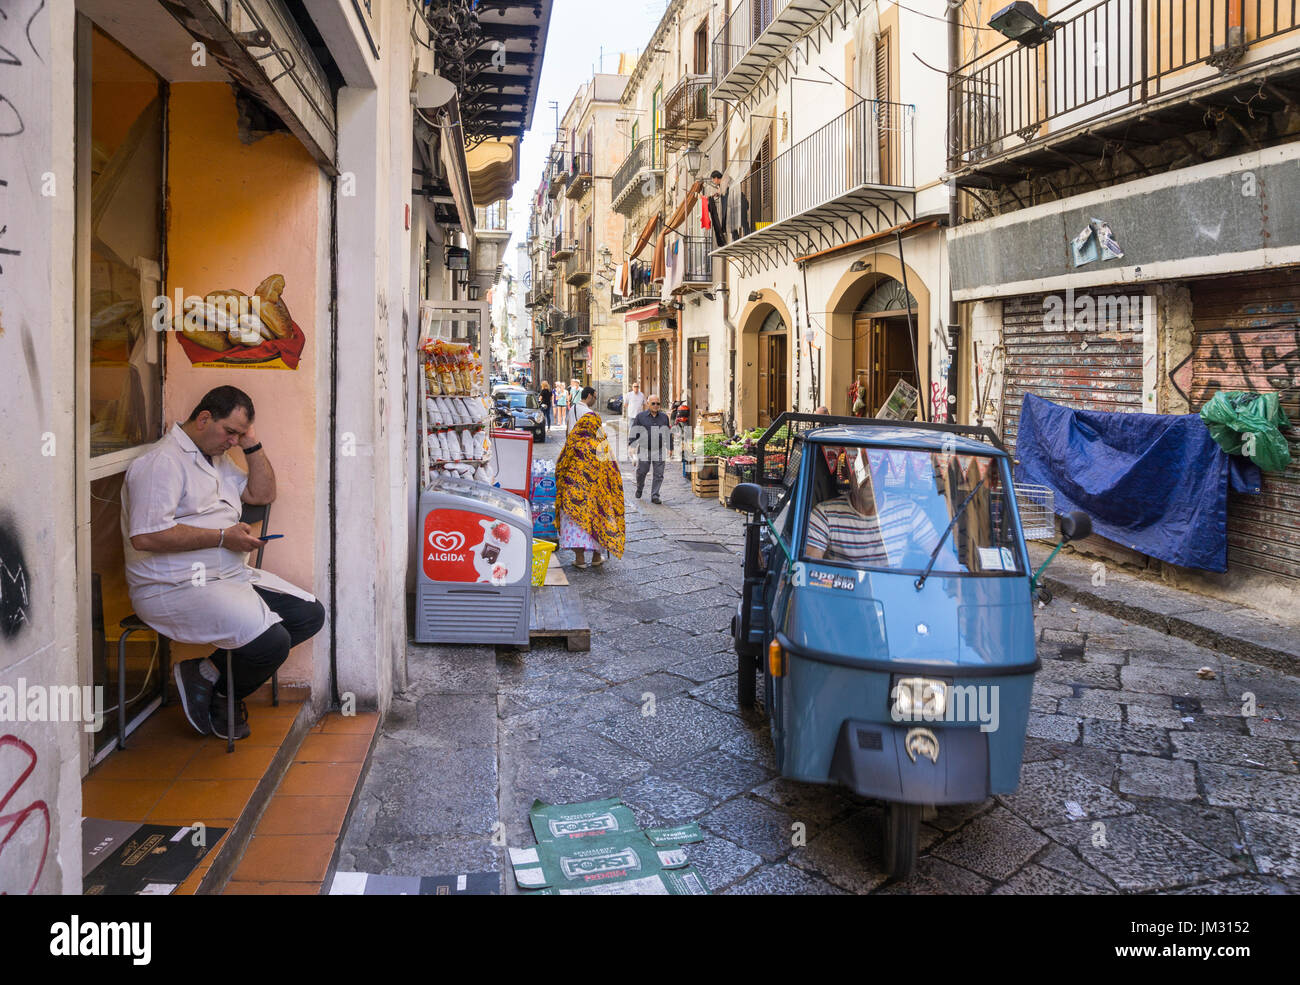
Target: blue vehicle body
x,y
846,636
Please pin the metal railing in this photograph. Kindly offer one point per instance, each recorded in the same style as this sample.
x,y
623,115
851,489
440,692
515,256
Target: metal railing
x,y
580,163
577,325
688,102
1103,58
491,218
748,20
871,143
647,155
697,255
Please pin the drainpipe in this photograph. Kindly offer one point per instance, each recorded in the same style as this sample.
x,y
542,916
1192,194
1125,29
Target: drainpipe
x,y
336,703
725,291
954,155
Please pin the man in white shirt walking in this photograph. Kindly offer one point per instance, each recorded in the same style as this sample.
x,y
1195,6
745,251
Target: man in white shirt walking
x,y
185,551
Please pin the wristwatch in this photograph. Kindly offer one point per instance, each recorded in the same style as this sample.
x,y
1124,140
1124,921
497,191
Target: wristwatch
x,y
253,448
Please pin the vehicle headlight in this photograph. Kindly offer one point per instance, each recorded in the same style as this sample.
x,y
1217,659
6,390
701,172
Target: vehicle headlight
x,y
918,698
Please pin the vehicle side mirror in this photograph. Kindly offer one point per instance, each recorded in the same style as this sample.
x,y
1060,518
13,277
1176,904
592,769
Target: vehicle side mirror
x,y
747,496
1076,526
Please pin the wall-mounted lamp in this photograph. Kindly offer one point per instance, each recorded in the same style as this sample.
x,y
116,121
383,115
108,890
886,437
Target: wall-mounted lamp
x,y
858,266
756,295
473,292
1023,24
694,160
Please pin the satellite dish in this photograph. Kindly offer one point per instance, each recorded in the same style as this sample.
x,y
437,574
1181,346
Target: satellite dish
x,y
432,90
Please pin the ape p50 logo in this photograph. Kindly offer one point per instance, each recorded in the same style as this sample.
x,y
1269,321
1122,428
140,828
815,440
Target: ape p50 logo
x,y
597,864
595,825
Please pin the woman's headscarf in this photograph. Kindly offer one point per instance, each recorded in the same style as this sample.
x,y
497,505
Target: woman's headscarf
x,y
589,485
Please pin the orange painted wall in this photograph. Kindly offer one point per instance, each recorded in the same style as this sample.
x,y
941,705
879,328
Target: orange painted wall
x,y
238,214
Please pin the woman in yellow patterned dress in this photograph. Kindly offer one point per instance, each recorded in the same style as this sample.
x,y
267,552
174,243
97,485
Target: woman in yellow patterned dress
x,y
589,491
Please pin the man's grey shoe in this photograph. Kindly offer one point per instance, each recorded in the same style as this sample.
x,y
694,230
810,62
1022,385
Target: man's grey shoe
x,y
242,731
655,499
638,494
196,694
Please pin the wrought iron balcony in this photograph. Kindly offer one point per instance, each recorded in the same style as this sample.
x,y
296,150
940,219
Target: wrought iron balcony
x,y
578,269
697,257
577,326
755,35
640,293
1116,59
638,177
579,175
563,249
688,113
858,169
555,322
557,173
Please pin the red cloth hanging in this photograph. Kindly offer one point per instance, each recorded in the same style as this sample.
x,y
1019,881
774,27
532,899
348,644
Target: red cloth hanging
x,y
704,213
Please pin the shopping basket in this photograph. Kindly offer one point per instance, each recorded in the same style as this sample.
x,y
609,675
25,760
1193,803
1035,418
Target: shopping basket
x,y
542,551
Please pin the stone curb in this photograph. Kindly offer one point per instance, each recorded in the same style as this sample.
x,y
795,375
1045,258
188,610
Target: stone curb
x,y
1208,622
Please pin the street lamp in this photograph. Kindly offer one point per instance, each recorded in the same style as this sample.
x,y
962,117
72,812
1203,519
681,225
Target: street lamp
x,y
473,292
1023,24
694,160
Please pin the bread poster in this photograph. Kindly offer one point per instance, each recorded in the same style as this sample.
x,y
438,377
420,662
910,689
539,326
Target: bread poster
x,y
229,328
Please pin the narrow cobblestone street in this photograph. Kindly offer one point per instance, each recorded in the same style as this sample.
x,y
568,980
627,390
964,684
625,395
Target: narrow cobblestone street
x,y
1139,775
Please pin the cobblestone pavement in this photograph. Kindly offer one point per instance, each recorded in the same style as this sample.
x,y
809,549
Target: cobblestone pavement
x,y
1139,775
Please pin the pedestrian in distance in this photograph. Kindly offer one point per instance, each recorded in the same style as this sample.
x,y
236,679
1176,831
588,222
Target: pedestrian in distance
x,y
589,489
544,398
652,434
561,401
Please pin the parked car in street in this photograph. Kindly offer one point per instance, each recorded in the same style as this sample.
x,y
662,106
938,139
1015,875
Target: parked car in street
x,y
615,404
523,408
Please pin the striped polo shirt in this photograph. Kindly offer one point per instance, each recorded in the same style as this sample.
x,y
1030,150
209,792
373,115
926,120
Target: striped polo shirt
x,y
877,541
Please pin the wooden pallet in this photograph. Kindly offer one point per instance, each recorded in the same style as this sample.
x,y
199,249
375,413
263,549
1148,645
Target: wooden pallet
x,y
557,613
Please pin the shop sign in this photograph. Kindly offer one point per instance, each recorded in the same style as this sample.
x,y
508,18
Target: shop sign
x,y
652,325
460,546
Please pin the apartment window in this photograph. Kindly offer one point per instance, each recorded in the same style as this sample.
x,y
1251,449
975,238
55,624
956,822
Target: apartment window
x,y
702,49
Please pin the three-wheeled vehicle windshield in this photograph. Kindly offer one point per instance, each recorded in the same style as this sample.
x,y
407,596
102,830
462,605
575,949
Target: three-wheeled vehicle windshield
x,y
889,508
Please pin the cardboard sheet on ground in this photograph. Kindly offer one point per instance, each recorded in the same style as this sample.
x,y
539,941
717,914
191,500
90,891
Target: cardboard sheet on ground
x,y
565,822
371,884
148,859
617,864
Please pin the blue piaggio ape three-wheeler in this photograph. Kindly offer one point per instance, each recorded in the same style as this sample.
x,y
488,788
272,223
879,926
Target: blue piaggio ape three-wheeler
x,y
888,602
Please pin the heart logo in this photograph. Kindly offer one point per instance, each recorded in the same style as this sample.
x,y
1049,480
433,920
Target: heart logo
x,y
443,541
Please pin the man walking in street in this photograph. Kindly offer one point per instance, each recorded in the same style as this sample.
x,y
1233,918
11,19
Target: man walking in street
x,y
633,404
652,433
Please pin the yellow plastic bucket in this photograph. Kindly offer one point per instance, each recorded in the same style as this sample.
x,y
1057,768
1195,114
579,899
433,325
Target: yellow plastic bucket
x,y
542,551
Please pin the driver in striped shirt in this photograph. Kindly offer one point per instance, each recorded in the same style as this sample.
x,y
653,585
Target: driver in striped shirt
x,y
864,529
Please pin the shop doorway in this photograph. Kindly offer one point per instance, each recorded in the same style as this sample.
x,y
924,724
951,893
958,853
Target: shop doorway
x,y
699,379
883,352
773,372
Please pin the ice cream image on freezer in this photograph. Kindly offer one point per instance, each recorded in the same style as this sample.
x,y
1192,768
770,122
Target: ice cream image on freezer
x,y
499,558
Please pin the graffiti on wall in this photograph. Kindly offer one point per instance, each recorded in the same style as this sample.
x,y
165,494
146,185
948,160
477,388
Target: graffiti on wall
x,y
1261,359
941,360
11,117
12,821
15,593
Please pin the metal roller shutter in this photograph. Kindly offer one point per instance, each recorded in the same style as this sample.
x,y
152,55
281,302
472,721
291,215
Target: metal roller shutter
x,y
1247,337
1103,374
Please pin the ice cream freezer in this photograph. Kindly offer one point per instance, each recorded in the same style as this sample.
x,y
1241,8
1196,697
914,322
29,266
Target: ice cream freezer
x,y
476,556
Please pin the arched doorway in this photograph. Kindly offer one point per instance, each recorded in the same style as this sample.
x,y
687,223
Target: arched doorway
x,y
873,292
763,373
883,351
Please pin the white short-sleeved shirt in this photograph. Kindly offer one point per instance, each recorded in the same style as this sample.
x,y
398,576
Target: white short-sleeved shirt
x,y
204,596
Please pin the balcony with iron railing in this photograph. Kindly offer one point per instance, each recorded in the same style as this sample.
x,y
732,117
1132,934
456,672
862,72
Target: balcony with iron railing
x,y
757,33
557,173
562,249
859,167
640,292
492,219
578,270
579,175
577,326
1169,62
554,324
639,176
697,260
688,112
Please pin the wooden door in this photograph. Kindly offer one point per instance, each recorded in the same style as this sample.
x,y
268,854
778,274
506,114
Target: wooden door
x,y
863,366
699,384
773,378
896,359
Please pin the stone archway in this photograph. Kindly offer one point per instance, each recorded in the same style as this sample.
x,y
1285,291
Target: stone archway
x,y
847,295
751,319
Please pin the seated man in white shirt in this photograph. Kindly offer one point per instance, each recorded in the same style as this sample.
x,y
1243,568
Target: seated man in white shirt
x,y
865,530
186,565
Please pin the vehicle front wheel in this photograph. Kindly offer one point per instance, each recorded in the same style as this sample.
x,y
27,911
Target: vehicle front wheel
x,y
902,837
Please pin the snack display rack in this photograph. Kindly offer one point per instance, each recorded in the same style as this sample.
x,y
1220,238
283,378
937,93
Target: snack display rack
x,y
455,419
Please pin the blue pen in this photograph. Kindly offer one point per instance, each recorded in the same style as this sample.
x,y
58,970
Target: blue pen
x,y
271,537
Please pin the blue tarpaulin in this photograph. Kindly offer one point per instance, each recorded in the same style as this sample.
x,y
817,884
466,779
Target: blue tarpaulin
x,y
1155,483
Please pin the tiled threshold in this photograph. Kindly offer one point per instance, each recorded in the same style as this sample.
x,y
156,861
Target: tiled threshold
x,y
169,774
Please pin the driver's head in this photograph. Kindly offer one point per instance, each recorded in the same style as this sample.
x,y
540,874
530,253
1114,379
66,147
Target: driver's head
x,y
856,471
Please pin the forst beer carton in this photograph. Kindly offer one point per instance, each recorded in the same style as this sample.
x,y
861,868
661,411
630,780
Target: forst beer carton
x,y
614,864
567,822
